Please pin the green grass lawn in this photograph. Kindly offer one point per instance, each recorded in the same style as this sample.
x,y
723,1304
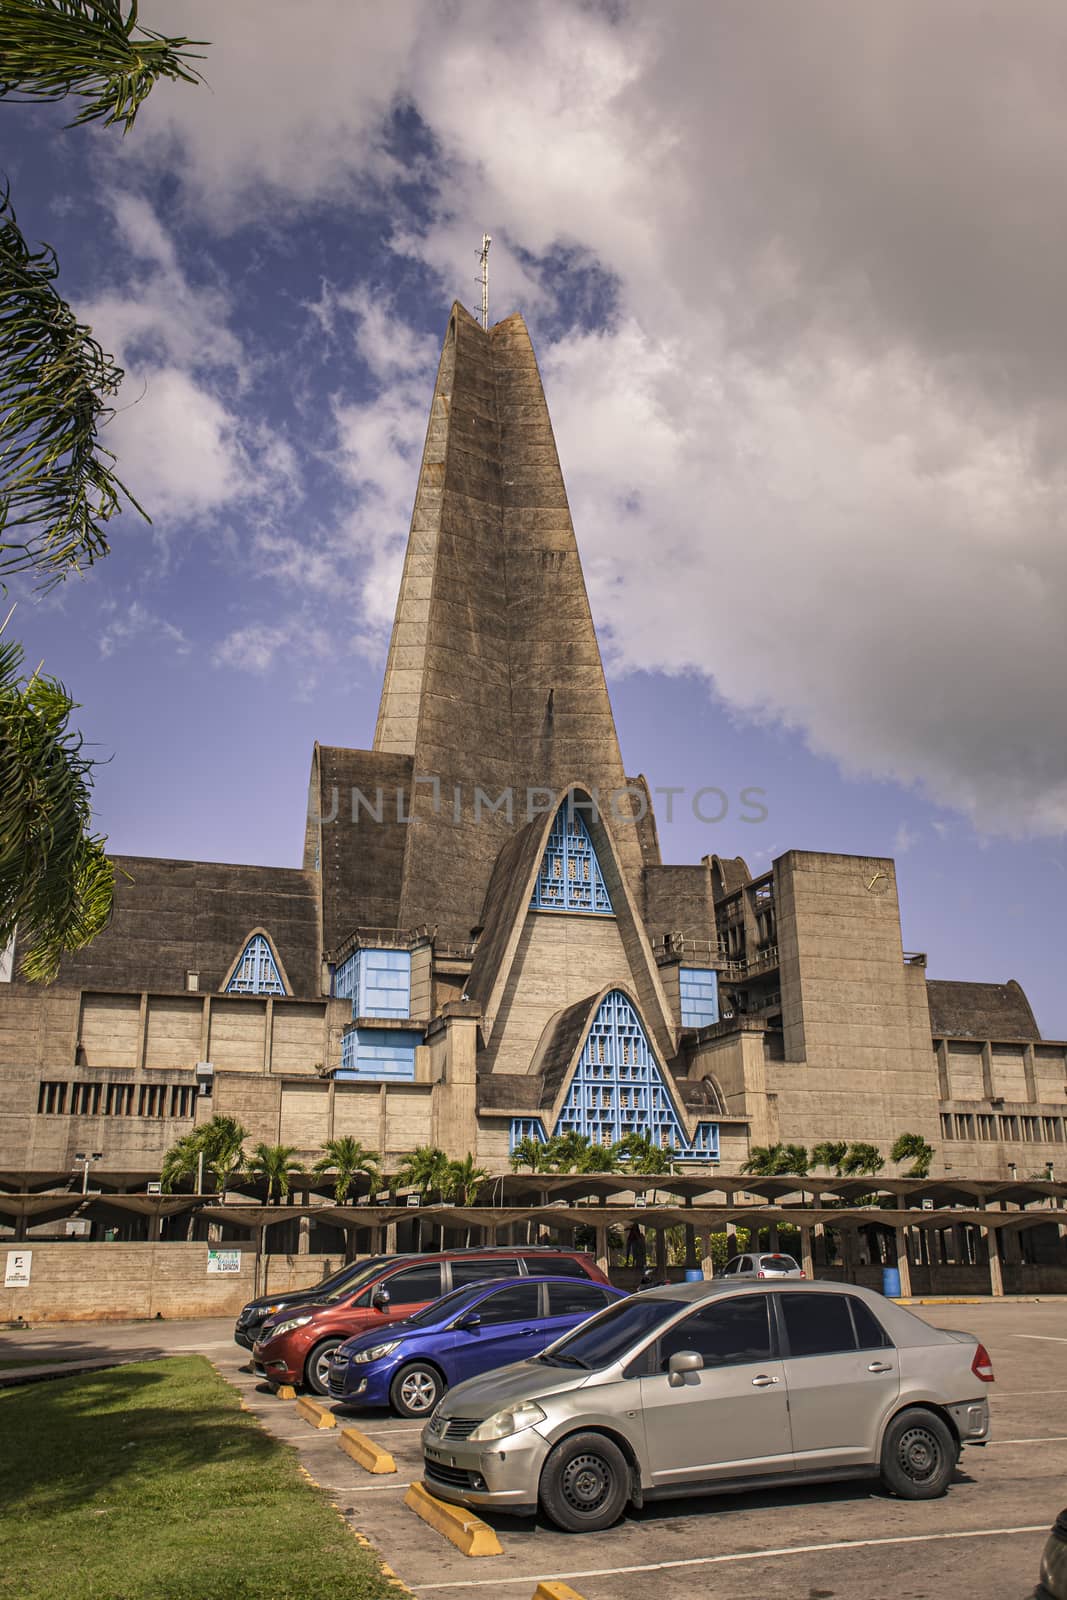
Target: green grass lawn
x,y
33,1361
149,1482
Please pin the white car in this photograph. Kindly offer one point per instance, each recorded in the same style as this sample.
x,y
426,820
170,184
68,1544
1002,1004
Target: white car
x,y
757,1265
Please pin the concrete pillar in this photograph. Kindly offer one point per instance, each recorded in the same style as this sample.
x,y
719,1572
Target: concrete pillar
x,y
602,1257
772,1238
707,1265
996,1276
303,1237
903,1265
807,1258
847,1253
661,1252
390,1239
154,1228
691,1247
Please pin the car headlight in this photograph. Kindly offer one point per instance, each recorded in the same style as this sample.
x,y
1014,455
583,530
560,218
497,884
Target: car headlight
x,y
286,1327
377,1351
511,1420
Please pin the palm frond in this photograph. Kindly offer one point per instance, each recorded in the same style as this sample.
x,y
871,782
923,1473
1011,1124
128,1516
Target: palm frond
x,y
95,49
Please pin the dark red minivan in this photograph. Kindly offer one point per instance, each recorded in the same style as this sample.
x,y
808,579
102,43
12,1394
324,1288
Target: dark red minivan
x,y
295,1345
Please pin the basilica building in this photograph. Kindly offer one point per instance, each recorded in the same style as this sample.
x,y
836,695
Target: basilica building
x,y
483,943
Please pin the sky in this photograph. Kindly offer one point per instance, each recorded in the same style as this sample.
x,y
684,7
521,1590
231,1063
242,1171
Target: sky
x,y
794,278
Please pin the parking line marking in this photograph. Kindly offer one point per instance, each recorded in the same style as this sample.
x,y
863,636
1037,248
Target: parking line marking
x,y
1024,1394
742,1555
1046,1338
372,1488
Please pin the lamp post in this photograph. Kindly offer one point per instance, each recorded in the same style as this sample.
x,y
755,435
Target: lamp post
x,y
87,1161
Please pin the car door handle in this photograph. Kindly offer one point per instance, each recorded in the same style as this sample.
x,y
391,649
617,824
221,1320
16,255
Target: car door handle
x,y
763,1382
527,1333
880,1366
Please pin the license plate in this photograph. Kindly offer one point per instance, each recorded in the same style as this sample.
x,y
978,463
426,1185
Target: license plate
x,y
438,1455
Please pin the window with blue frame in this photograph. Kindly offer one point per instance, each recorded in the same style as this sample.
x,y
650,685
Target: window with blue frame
x,y
619,1088
378,982
382,1055
700,997
525,1128
257,971
570,878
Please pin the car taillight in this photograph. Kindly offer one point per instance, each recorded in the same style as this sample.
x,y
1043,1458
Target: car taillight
x,y
982,1366
761,1274
803,1274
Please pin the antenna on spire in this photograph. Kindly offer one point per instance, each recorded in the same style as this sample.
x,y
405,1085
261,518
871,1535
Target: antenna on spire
x,y
484,258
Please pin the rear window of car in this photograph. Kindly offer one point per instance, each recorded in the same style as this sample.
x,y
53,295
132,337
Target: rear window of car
x,y
558,1266
779,1263
577,1299
479,1269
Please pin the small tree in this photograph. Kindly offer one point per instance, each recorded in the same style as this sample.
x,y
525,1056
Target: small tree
x,y
565,1151
862,1159
599,1158
217,1146
348,1158
462,1181
777,1160
830,1155
636,1152
532,1153
424,1169
276,1163
914,1148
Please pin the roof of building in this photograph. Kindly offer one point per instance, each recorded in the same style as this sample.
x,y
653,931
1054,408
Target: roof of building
x,y
980,1010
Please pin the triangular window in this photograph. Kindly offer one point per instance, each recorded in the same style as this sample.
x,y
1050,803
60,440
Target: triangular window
x,y
257,971
570,878
619,1088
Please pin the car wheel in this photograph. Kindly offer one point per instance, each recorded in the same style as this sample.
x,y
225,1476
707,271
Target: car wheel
x,y
585,1483
416,1389
317,1366
919,1455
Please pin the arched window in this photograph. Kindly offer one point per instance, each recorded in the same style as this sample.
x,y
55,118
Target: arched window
x,y
257,971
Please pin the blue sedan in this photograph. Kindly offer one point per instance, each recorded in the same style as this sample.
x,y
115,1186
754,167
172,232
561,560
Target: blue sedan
x,y
470,1331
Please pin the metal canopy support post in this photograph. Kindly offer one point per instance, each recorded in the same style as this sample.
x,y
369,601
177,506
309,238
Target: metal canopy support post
x,y
996,1276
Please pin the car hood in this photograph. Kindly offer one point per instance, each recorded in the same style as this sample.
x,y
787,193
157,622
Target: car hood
x,y
297,1308
294,1297
525,1380
367,1338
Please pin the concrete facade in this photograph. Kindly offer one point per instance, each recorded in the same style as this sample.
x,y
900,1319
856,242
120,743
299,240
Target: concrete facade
x,y
494,712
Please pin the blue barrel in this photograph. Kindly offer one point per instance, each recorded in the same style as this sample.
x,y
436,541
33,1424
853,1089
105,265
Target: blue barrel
x,y
891,1283
693,1275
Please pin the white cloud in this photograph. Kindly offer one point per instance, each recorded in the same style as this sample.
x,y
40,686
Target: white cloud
x,y
134,622
903,839
816,455
257,646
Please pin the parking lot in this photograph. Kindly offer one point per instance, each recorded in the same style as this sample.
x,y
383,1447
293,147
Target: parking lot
x,y
983,1539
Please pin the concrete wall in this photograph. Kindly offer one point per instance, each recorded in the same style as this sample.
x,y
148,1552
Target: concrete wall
x,y
80,1282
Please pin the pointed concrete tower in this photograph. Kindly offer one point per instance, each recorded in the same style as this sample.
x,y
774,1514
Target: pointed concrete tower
x,y
494,680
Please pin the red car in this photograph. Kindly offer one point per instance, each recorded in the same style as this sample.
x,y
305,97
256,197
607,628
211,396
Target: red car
x,y
295,1346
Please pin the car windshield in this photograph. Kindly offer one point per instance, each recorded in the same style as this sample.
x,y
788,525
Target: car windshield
x,y
449,1305
344,1276
353,1285
610,1335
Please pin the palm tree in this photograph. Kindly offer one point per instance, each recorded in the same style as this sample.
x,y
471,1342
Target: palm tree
x,y
348,1158
565,1151
639,1153
914,1148
599,1158
462,1180
424,1169
830,1155
56,881
216,1146
275,1163
777,1160
532,1153
862,1158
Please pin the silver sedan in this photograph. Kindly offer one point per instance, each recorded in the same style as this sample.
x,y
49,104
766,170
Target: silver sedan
x,y
709,1387
766,1264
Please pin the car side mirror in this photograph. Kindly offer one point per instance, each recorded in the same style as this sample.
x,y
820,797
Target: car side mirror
x,y
470,1322
381,1300
680,1364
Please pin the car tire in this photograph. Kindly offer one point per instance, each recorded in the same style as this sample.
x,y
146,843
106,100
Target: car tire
x,y
416,1389
585,1483
919,1455
317,1366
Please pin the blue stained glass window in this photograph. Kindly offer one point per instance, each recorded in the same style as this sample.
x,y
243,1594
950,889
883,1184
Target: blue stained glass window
x,y
257,971
700,997
378,982
381,1054
525,1128
570,878
619,1088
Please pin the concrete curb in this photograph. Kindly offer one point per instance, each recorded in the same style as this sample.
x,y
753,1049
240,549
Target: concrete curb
x,y
316,1414
364,1452
470,1535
